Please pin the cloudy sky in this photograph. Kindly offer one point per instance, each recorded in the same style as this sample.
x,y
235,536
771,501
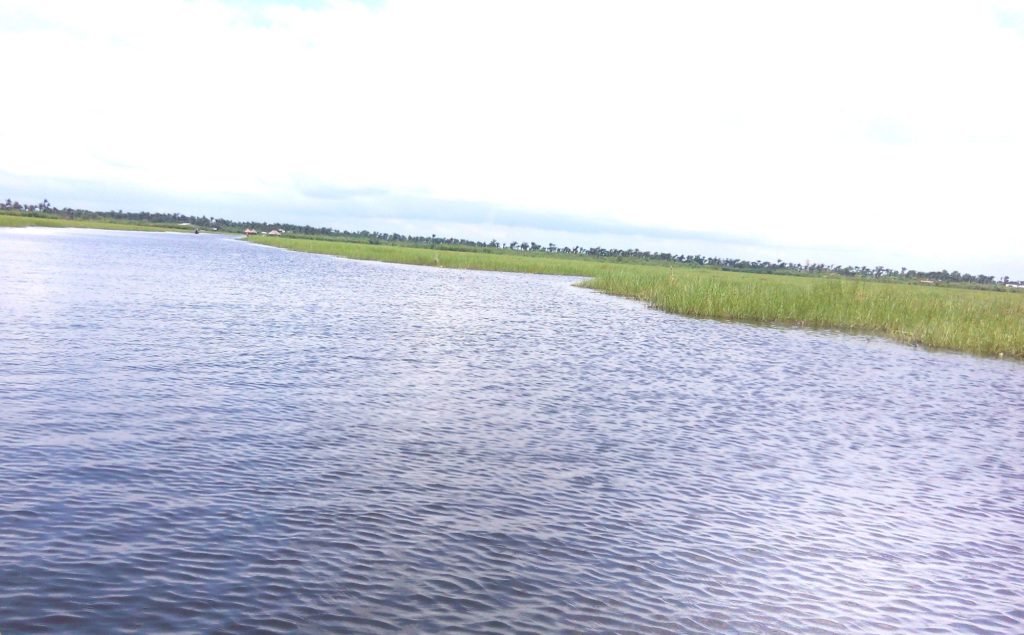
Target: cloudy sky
x,y
888,132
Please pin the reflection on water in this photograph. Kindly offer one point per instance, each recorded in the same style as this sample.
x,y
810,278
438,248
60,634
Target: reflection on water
x,y
200,435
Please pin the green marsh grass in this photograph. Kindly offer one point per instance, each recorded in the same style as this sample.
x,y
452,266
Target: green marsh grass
x,y
9,220
980,322
442,257
969,320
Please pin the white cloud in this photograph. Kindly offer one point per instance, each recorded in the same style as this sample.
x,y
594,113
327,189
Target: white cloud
x,y
884,126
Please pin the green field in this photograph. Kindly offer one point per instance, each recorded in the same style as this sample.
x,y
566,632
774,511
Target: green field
x,y
969,320
8,220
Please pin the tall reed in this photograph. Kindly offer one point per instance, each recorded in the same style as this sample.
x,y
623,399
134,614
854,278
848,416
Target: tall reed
x,y
981,322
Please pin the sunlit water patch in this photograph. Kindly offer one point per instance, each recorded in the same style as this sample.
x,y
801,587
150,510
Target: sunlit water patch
x,y
201,435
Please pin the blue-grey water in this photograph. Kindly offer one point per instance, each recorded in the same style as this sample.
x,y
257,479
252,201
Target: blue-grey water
x,y
203,435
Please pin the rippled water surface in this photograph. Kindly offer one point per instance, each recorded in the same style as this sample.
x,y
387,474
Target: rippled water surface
x,y
201,435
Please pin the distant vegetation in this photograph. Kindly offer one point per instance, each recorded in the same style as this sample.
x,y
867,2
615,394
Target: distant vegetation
x,y
9,220
209,223
157,219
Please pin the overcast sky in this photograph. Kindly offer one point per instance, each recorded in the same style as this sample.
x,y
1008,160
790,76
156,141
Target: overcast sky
x,y
864,132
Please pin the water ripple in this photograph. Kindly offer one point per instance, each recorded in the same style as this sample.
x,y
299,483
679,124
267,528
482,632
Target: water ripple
x,y
199,435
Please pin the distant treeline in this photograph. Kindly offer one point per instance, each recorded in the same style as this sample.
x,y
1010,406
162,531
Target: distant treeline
x,y
46,210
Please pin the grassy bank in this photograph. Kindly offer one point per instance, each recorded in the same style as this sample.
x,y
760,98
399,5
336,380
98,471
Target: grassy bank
x,y
9,220
980,322
973,321
442,257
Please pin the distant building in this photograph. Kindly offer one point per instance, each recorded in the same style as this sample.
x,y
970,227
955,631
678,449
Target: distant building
x,y
249,231
274,232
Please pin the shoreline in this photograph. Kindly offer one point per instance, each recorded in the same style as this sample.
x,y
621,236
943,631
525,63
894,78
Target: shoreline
x,y
979,322
986,323
15,221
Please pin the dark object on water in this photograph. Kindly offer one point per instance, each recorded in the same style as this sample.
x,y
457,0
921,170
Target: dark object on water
x,y
197,230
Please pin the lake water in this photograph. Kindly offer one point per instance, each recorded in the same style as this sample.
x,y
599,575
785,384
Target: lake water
x,y
203,435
